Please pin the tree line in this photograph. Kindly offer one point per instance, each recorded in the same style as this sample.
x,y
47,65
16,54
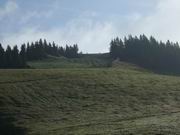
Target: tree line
x,y
147,52
17,58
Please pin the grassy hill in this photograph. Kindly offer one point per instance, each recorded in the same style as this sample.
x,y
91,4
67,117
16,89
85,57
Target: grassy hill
x,y
84,61
88,101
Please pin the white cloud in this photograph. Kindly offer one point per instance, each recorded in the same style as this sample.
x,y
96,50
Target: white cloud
x,y
90,36
163,23
35,14
95,35
8,8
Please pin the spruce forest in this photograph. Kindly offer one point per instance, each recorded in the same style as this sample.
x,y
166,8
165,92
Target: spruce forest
x,y
148,53
15,58
158,56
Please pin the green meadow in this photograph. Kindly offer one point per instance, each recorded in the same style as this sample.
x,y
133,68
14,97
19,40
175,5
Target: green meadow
x,y
118,100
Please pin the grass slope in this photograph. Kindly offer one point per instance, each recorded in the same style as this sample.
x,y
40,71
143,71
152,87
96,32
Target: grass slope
x,y
85,61
91,101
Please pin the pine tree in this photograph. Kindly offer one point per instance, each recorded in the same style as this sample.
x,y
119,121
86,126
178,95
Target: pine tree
x,y
61,51
15,57
45,46
23,57
75,49
28,52
1,56
8,57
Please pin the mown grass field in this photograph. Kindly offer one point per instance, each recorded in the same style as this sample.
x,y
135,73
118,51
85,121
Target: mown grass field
x,y
84,61
89,101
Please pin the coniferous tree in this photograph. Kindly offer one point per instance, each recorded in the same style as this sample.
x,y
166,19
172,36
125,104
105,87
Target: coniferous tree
x,y
149,53
75,51
45,46
41,50
1,56
28,52
61,51
15,57
23,56
8,57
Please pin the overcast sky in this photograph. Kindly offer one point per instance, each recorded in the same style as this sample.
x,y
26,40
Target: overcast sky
x,y
89,23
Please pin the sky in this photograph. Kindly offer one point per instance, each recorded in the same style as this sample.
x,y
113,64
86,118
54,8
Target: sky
x,y
89,23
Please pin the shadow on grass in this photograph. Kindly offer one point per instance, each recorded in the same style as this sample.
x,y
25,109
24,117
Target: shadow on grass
x,y
8,128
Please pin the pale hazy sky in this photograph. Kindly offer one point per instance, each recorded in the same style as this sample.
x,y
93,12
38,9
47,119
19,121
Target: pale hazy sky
x,y
89,23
